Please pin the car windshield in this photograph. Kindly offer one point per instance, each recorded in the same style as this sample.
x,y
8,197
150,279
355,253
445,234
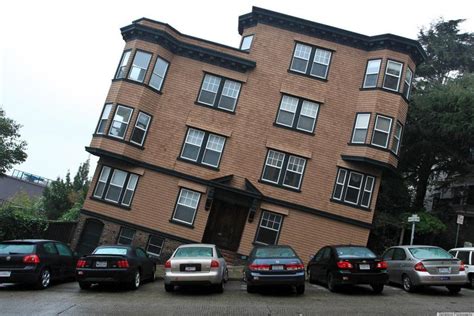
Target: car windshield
x,y
354,252
187,252
15,248
280,252
110,251
430,253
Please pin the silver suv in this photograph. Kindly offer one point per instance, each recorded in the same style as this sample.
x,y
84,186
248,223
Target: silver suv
x,y
466,255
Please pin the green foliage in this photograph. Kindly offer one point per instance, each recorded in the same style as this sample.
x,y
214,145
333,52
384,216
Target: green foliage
x,y
429,223
12,149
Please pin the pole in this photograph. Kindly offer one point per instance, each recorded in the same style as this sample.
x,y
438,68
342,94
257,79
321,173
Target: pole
x,y
457,236
412,233
402,235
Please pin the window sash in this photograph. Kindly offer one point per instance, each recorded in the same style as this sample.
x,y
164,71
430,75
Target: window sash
x,y
188,199
102,180
154,245
388,68
129,239
159,73
407,81
130,189
135,72
119,121
354,187
367,190
382,131
340,184
274,159
302,52
231,90
396,138
194,138
361,124
120,184
122,65
295,165
311,113
214,144
103,119
210,84
246,42
288,105
370,72
144,129
277,219
321,57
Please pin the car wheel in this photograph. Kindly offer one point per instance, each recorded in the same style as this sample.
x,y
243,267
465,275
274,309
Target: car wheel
x,y
454,289
251,289
153,275
85,285
377,288
407,284
300,289
169,288
135,284
226,277
332,286
219,288
44,279
310,277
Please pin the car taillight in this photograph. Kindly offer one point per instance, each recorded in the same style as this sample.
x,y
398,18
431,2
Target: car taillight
x,y
462,267
31,259
420,267
168,264
294,266
382,265
344,265
214,264
122,263
259,267
81,263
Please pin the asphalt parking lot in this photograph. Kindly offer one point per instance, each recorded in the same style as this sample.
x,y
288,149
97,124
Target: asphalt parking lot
x,y
151,299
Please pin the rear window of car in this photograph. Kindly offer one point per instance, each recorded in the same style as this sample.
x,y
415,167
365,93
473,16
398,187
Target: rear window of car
x,y
110,251
187,252
283,252
11,249
354,252
463,256
429,253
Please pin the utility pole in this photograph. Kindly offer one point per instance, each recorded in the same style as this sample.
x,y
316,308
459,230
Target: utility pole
x,y
413,219
459,221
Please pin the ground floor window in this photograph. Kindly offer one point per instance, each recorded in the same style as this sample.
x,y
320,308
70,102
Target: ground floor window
x,y
154,246
125,236
269,228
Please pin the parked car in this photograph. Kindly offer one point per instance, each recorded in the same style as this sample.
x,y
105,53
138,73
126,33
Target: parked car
x,y
347,265
196,264
36,262
127,265
466,255
274,265
417,266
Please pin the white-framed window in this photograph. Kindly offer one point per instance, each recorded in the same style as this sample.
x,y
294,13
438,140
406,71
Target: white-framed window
x,y
360,128
116,185
407,83
381,132
246,42
119,125
354,184
393,72
130,189
123,65
339,187
308,114
125,236
118,188
140,129
139,66
397,134
155,245
102,182
297,113
372,73
269,228
293,167
159,73
210,154
353,188
186,206
104,118
219,92
367,192
321,58
287,111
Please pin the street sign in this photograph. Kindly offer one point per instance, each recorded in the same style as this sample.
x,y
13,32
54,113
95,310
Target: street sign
x,y
460,219
413,219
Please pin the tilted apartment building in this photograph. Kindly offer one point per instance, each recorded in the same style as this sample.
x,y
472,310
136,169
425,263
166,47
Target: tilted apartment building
x,y
282,141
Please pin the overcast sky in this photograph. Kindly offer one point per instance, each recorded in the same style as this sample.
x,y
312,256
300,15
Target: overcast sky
x,y
57,58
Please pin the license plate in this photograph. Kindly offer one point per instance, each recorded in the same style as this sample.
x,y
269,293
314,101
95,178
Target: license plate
x,y
101,264
444,270
5,274
279,267
190,269
364,266
444,278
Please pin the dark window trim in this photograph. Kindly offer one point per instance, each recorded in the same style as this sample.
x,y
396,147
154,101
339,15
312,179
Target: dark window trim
x,y
310,61
392,119
120,233
127,65
365,73
353,129
219,93
399,141
147,130
128,124
344,189
401,75
164,76
112,110
255,242
242,41
182,223
131,65
297,115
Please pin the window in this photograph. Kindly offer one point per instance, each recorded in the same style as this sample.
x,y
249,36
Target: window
x,y
103,119
159,73
360,128
118,188
219,92
407,83
393,73
193,148
63,250
120,122
186,206
381,131
140,253
140,129
320,60
50,249
397,134
139,66
292,165
354,188
269,228
155,244
399,254
125,236
123,65
246,42
372,73
297,113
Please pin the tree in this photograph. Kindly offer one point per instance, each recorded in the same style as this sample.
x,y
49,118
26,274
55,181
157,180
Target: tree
x,y
12,149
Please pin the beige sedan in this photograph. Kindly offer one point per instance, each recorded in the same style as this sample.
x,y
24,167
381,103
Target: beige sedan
x,y
196,264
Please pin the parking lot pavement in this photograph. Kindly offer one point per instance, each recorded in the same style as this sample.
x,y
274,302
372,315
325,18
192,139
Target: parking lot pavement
x,y
151,299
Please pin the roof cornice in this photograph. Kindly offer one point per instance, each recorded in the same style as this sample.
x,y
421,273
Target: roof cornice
x,y
333,34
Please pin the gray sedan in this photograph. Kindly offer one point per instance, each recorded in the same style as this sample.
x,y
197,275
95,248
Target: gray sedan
x,y
196,264
416,266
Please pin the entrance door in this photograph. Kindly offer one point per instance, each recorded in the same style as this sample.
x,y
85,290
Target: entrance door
x,y
90,237
225,225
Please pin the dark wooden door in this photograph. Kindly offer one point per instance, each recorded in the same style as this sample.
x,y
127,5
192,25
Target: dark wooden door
x,y
90,237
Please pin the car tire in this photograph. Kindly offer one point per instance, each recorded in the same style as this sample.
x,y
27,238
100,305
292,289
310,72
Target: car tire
x,y
332,286
85,285
377,288
44,279
226,276
219,288
153,275
300,289
169,288
310,277
454,289
407,284
251,289
135,283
